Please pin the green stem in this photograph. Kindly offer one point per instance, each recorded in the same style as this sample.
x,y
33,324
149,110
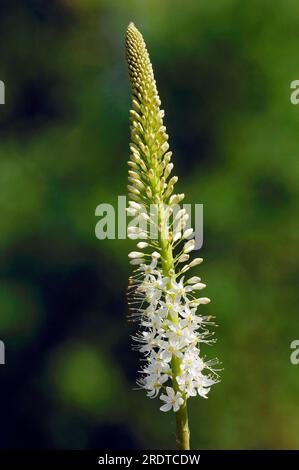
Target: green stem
x,y
183,434
182,428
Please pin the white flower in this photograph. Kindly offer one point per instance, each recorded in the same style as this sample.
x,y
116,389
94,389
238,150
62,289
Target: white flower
x,y
157,357
170,306
169,348
203,386
154,287
187,385
149,269
170,329
179,290
154,322
189,315
149,340
192,363
156,366
172,400
153,384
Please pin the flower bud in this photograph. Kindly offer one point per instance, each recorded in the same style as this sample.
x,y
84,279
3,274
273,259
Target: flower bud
x,y
183,258
199,286
142,245
135,254
204,300
193,280
195,262
188,233
189,246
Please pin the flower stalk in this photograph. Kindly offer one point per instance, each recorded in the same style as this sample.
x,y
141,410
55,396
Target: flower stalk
x,y
160,297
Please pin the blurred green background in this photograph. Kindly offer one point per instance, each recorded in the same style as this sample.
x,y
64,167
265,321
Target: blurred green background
x,y
223,71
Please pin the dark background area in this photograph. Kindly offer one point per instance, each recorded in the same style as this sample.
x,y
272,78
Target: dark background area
x,y
223,71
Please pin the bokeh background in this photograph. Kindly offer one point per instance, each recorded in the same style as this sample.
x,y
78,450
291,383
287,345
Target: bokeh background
x,y
223,71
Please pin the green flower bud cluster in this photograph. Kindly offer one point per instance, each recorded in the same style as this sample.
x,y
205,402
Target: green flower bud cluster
x,y
150,180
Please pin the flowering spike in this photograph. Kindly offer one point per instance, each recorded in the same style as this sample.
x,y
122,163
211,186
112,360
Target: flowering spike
x,y
164,302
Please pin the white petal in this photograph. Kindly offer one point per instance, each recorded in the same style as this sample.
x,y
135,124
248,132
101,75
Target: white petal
x,y
170,392
164,397
166,407
203,392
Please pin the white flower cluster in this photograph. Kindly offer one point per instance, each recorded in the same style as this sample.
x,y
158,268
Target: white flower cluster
x,y
162,299
171,330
